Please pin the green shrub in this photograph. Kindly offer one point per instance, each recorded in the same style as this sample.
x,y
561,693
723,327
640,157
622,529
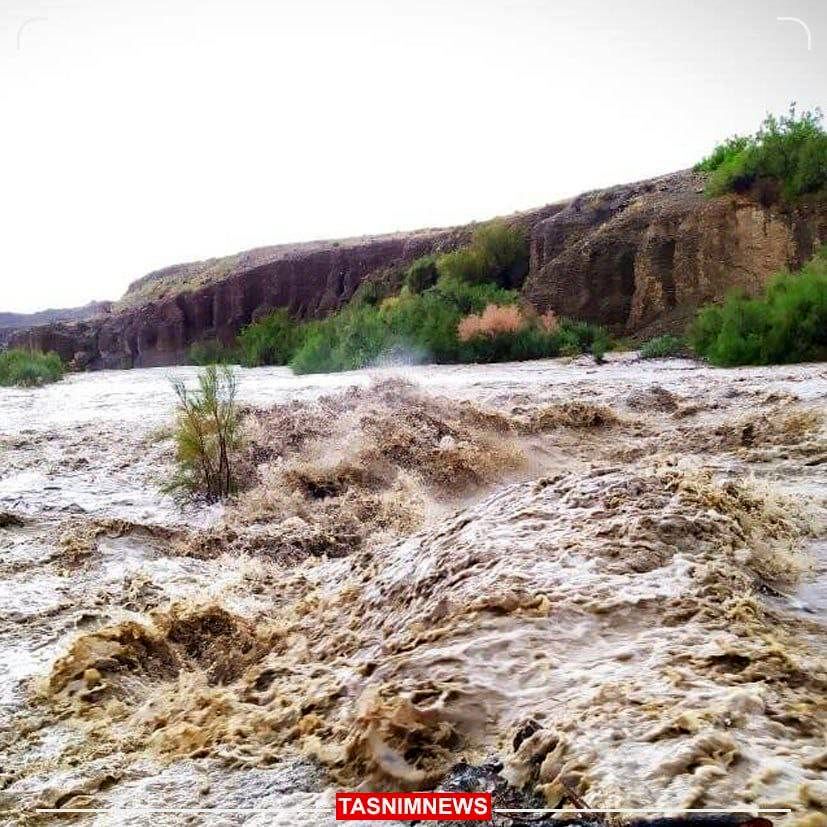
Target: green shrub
x,y
791,149
370,292
729,148
472,298
465,264
600,343
530,342
497,253
206,434
623,344
505,250
421,275
662,346
787,324
582,337
421,324
316,353
353,338
28,368
212,352
424,327
427,324
534,341
270,341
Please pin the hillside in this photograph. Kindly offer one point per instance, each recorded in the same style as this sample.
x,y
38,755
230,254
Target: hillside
x,y
10,322
636,257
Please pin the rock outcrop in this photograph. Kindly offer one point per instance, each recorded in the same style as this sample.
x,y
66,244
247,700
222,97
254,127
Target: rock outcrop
x,y
12,322
638,258
645,255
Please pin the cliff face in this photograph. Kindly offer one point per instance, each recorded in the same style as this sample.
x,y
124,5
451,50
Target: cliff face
x,y
642,257
638,258
309,280
164,313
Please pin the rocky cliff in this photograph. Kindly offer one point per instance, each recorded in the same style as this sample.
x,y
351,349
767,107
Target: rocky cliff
x,y
641,257
637,258
165,312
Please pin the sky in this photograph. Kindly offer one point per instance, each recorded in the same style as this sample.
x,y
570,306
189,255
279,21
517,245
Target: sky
x,y
138,134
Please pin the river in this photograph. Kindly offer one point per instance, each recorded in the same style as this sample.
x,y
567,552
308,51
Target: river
x,y
609,578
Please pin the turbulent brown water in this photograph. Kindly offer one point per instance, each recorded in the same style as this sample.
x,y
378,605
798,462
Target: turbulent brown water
x,y
610,579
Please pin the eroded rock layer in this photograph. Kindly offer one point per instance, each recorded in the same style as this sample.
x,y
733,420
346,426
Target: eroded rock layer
x,y
647,253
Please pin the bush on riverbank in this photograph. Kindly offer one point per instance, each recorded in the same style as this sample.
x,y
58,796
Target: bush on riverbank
x,y
422,274
450,323
29,368
213,352
271,341
515,334
662,346
791,149
787,324
497,253
416,327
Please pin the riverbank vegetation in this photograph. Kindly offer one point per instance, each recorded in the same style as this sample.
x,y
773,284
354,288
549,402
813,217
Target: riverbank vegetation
x,y
662,347
790,150
461,306
271,341
788,323
212,352
29,368
497,253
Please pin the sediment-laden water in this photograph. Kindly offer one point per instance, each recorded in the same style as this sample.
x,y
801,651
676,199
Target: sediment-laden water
x,y
609,579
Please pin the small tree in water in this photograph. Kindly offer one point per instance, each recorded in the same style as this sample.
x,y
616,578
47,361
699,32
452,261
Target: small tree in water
x,y
206,433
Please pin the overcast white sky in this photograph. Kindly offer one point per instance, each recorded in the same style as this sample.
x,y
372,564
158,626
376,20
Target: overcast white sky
x,y
140,134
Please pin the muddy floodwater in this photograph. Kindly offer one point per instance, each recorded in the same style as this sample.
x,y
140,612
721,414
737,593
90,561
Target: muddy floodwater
x,y
609,579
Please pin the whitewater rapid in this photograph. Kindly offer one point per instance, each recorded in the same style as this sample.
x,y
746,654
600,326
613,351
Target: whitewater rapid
x,y
627,562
